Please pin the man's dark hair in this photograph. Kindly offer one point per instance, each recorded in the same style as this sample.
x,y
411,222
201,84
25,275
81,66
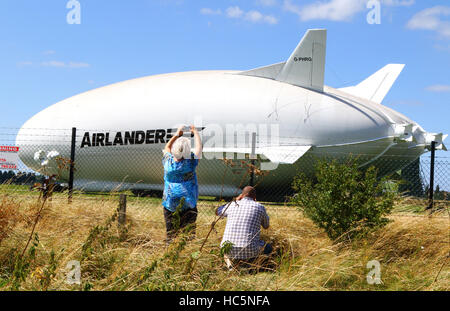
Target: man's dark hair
x,y
249,191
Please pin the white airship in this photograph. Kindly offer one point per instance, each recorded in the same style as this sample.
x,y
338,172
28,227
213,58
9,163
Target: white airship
x,y
122,128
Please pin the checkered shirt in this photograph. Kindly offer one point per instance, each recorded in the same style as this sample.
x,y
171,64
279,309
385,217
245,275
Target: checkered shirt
x,y
245,218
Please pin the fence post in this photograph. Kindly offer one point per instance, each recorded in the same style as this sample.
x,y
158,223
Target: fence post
x,y
252,157
431,194
72,163
122,211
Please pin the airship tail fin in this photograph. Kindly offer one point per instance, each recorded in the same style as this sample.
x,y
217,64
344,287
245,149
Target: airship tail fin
x,y
306,65
376,87
269,72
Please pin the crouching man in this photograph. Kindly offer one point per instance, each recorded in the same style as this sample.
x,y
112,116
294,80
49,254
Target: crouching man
x,y
244,220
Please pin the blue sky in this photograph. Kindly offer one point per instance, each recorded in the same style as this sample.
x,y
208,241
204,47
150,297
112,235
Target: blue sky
x,y
44,59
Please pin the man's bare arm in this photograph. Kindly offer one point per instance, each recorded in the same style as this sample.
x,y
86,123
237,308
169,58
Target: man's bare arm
x,y
198,143
179,133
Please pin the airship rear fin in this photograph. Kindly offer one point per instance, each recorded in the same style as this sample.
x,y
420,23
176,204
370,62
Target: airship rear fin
x,y
276,154
376,87
306,66
269,72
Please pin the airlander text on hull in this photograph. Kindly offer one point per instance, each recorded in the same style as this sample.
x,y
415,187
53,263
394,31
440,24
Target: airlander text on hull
x,y
159,136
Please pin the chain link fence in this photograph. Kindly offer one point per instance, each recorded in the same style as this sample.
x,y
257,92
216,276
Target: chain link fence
x,y
102,170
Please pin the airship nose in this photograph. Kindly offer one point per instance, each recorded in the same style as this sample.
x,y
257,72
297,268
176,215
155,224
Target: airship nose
x,y
41,141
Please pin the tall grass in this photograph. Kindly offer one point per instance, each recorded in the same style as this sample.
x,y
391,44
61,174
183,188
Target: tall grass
x,y
413,251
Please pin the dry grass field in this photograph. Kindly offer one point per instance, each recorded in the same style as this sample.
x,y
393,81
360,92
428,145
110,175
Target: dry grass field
x,y
413,250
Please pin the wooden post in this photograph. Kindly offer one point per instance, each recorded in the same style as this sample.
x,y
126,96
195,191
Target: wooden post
x,y
122,211
72,162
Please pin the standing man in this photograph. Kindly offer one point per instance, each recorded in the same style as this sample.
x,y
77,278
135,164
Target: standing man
x,y
245,217
180,182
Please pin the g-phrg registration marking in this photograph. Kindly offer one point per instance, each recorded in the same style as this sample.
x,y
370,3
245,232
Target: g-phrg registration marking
x,y
147,137
302,59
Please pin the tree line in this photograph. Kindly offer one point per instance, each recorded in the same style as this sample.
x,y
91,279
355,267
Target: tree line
x,y
20,178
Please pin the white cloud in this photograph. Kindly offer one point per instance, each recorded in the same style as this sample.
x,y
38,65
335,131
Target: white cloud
x,y
254,16
431,19
208,11
269,19
60,64
251,16
267,2
290,7
439,88
334,10
257,17
234,12
398,2
53,63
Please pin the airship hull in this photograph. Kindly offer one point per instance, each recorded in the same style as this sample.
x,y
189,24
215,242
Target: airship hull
x,y
281,115
334,126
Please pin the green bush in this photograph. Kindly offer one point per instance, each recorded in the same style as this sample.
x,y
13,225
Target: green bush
x,y
344,200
